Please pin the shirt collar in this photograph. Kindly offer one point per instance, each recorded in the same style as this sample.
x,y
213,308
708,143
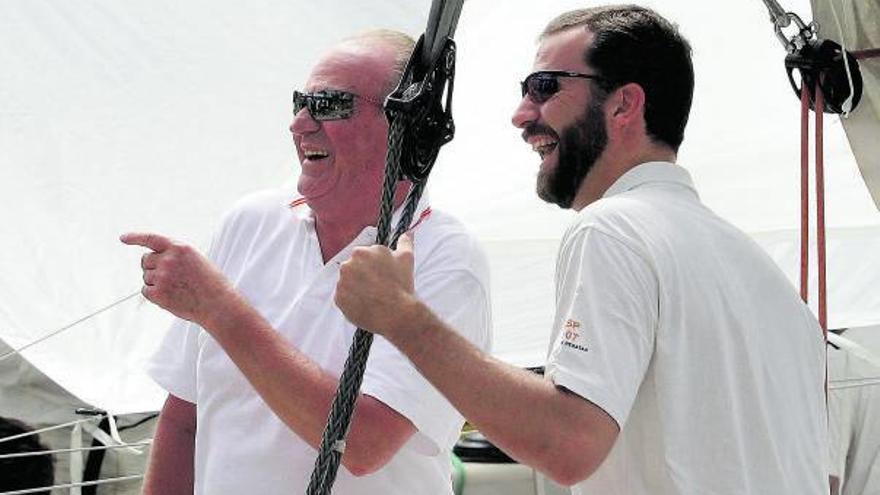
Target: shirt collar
x,y
651,172
367,236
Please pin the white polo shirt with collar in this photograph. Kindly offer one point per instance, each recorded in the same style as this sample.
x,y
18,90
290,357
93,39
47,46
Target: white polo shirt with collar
x,y
688,335
268,249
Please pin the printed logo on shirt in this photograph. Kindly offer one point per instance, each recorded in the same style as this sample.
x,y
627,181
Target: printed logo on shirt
x,y
571,335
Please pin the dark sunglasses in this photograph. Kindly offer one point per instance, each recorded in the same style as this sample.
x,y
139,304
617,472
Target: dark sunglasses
x,y
329,104
543,84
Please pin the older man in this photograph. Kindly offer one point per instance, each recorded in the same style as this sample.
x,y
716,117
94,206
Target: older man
x,y
252,364
682,361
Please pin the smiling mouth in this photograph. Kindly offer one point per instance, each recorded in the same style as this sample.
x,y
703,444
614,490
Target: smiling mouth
x,y
315,155
543,145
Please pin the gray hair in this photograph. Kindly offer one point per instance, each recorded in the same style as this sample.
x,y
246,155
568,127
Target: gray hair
x,y
402,44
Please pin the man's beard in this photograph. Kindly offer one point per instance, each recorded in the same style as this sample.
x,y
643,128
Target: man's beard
x,y
579,147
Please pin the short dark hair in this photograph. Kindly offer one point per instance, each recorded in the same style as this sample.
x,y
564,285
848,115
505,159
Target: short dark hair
x,y
19,473
636,44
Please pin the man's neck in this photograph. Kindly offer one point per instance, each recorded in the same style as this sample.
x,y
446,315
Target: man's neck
x,y
333,236
338,230
609,168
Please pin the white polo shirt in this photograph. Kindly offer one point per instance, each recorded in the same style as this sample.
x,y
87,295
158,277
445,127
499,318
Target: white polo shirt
x,y
268,248
687,334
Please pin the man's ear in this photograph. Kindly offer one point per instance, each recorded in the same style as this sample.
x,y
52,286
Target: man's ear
x,y
627,104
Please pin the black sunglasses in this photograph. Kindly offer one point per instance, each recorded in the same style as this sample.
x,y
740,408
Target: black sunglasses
x,y
543,84
329,104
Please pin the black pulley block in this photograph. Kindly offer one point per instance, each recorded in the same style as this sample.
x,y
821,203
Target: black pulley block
x,y
825,62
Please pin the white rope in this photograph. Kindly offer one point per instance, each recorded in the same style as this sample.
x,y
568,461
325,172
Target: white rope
x,y
80,449
111,439
74,485
75,466
854,383
860,352
847,105
14,352
854,348
49,428
114,431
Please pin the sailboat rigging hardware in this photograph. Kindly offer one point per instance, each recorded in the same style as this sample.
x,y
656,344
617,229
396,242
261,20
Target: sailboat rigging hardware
x,y
820,62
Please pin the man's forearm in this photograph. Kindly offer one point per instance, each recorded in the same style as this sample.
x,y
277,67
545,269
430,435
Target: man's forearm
x,y
170,469
179,279
525,415
563,435
301,393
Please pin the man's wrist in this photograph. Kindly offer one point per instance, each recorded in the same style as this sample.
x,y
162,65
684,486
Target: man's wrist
x,y
412,319
232,313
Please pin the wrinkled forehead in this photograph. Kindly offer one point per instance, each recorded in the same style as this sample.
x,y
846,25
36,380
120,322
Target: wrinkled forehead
x,y
358,69
564,50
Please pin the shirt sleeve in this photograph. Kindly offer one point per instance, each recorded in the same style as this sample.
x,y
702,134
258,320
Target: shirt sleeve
x,y
461,300
606,318
174,364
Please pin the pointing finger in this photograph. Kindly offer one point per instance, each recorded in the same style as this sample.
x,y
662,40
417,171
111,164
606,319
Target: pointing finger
x,y
155,242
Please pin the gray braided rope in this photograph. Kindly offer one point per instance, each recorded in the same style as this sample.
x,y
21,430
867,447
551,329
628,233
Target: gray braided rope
x,y
333,440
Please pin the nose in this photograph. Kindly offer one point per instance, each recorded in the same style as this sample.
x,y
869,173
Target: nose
x,y
526,112
303,123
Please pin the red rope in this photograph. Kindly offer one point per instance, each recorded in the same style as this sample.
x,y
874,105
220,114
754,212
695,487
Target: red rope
x,y
865,54
820,210
805,190
820,220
